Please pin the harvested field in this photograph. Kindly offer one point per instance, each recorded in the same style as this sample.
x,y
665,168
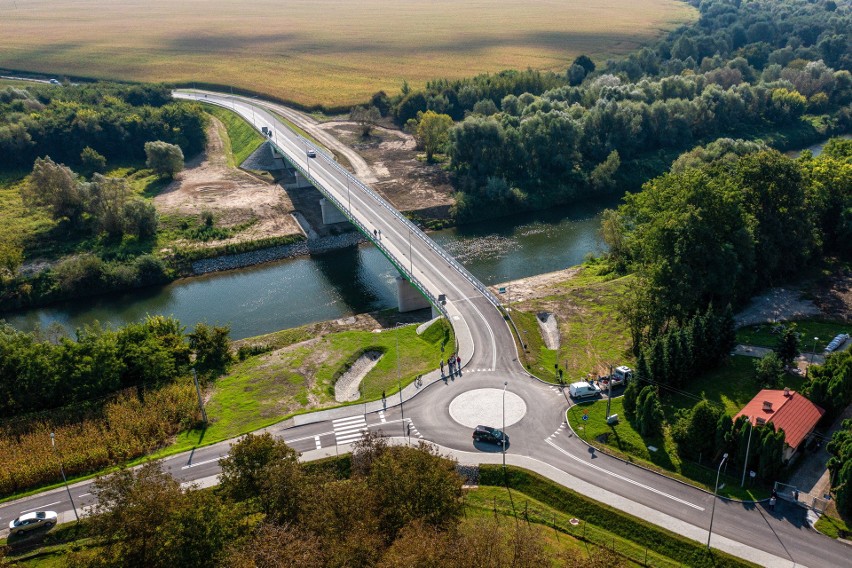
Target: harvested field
x,y
320,52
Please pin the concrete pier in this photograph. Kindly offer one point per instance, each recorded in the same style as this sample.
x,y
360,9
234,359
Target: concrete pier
x,y
330,213
408,297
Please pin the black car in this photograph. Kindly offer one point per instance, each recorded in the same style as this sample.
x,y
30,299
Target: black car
x,y
491,435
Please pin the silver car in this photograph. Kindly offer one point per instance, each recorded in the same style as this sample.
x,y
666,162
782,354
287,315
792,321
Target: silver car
x,y
32,521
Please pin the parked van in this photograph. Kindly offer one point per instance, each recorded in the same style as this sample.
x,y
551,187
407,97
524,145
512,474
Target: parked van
x,y
583,389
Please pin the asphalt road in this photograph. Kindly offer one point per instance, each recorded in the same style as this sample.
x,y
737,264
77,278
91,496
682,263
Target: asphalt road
x,y
490,361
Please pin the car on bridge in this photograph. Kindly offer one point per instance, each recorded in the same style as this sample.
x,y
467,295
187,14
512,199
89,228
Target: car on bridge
x,y
312,154
31,521
491,435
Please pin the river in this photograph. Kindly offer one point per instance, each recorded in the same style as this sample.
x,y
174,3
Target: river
x,y
293,292
358,279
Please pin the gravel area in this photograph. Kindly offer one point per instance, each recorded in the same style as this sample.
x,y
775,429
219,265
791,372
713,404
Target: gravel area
x,y
549,329
346,388
777,304
301,248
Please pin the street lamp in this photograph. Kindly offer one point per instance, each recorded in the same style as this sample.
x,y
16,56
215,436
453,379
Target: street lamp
x,y
713,511
410,258
813,351
748,447
505,384
398,379
64,480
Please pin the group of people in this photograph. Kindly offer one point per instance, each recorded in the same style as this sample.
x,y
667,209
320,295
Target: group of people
x,y
453,365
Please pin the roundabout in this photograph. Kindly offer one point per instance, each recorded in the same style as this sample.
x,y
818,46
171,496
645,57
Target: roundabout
x,y
485,406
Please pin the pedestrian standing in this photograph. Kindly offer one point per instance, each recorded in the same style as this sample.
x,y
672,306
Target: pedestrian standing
x,y
442,367
458,361
772,501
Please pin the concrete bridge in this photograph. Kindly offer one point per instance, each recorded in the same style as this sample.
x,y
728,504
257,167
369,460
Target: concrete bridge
x,y
429,275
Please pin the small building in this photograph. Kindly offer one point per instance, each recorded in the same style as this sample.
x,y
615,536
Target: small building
x,y
787,410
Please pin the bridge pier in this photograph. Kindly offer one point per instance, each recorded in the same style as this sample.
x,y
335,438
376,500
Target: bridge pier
x,y
330,213
409,298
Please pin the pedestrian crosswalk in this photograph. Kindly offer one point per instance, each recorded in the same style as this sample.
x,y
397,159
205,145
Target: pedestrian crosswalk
x,y
348,430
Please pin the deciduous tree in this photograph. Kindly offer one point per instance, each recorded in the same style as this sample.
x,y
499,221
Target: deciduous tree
x,y
433,132
164,158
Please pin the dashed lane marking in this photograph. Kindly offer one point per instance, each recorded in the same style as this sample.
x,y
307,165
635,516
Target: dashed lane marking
x,y
196,464
42,506
317,439
348,430
623,478
382,416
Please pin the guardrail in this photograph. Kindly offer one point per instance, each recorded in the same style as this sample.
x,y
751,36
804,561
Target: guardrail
x,y
354,220
409,224
415,230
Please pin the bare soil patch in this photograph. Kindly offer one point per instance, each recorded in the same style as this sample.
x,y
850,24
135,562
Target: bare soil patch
x,y
235,197
833,295
538,286
409,183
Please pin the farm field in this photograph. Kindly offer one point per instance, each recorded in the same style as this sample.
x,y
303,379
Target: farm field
x,y
331,53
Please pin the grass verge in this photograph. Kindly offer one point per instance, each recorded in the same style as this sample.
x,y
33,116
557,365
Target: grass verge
x,y
661,541
242,139
825,330
296,373
834,527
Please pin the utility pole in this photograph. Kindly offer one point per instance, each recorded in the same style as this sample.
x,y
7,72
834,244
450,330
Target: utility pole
x,y
748,447
398,379
200,401
813,351
505,384
609,392
64,480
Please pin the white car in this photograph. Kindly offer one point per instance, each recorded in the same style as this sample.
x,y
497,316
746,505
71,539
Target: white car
x,y
32,521
837,342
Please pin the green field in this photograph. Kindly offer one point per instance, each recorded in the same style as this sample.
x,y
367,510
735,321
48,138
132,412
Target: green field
x,y
327,52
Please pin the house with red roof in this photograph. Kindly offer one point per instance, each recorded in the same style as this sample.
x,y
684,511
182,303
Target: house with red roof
x,y
787,410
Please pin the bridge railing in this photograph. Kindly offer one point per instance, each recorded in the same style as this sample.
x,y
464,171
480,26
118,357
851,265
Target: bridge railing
x,y
354,220
415,230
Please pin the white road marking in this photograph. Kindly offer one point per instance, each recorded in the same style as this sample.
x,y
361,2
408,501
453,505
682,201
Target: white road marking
x,y
84,495
311,437
317,439
347,430
623,478
196,464
382,416
41,507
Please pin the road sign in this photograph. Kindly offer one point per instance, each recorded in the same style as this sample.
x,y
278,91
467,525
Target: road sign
x,y
501,290
585,417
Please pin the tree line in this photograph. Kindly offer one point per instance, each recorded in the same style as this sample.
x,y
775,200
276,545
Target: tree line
x,y
529,139
393,506
38,372
718,232
88,126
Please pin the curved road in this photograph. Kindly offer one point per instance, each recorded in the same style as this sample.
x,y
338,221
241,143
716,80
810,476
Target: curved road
x,y
539,440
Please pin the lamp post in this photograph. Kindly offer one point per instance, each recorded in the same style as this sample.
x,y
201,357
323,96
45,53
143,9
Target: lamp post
x,y
715,490
505,384
748,447
64,480
348,196
398,379
410,257
813,351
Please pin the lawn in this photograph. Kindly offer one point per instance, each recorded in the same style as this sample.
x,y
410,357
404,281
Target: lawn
x,y
730,386
825,330
555,524
591,335
297,375
242,139
329,52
